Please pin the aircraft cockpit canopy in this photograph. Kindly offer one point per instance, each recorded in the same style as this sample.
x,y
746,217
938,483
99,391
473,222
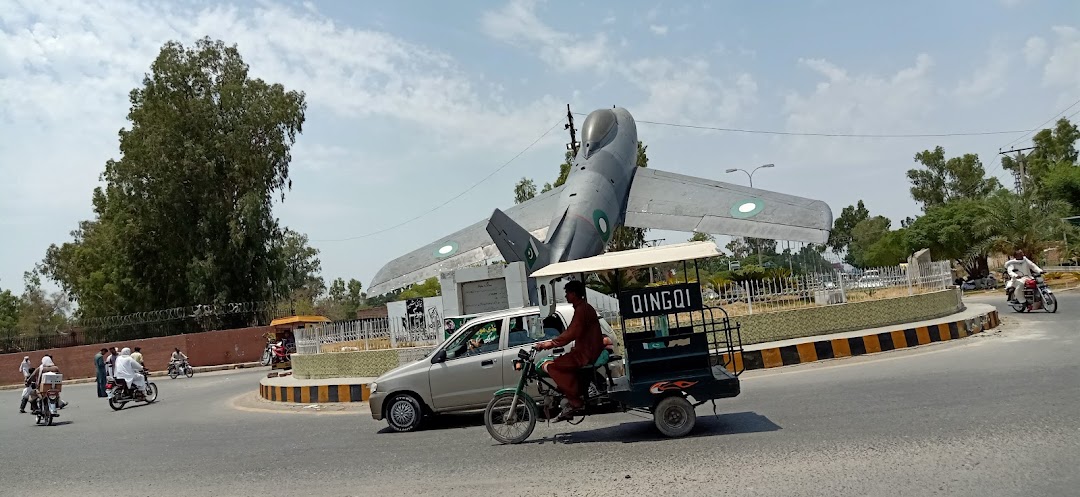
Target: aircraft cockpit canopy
x,y
597,130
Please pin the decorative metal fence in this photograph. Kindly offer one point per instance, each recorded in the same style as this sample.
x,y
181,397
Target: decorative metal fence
x,y
363,334
792,292
737,298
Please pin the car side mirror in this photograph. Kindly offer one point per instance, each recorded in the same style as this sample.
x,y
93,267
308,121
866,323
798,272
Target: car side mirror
x,y
439,356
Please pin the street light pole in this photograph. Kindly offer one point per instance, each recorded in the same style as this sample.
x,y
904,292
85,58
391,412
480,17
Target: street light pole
x,y
750,174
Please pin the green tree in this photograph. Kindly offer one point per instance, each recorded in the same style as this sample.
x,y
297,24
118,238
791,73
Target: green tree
x,y
702,237
524,190
889,250
185,215
41,314
944,180
1062,182
1026,222
948,231
1054,148
864,236
852,215
429,288
9,315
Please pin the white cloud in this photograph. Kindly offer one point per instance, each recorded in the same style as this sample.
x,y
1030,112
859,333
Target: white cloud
x,y
1063,65
988,80
518,24
675,89
685,90
658,29
1035,50
861,103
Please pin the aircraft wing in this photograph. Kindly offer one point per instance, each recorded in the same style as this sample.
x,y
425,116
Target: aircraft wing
x,y
471,245
669,201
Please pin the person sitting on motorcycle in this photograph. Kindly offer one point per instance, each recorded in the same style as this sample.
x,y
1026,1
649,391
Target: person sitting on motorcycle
x,y
178,358
1019,269
47,366
588,338
130,371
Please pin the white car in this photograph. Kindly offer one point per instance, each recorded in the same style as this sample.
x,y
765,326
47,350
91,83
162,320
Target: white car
x,y
464,371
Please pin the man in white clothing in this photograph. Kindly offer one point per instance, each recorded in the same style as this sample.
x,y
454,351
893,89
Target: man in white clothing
x,y
1019,269
128,369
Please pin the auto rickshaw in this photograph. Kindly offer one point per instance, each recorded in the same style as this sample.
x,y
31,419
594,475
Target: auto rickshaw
x,y
283,332
679,353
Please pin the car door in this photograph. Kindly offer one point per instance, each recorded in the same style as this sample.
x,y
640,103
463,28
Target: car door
x,y
472,371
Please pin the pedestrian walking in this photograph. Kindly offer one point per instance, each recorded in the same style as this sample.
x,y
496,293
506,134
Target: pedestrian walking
x,y
99,365
25,367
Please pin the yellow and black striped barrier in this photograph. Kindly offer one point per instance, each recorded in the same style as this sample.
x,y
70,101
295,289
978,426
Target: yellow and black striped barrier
x,y
867,344
316,393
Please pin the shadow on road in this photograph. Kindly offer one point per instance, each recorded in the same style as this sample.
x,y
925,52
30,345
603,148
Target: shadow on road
x,y
645,431
448,421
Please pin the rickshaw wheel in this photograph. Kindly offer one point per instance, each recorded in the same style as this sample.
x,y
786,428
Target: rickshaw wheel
x,y
674,416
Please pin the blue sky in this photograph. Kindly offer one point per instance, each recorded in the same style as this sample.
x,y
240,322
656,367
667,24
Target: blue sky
x,y
410,103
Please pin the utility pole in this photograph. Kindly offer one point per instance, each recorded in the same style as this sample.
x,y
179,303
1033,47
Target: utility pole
x,y
573,145
1020,175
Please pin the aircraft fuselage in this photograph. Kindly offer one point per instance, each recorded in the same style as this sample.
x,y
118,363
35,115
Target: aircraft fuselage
x,y
594,196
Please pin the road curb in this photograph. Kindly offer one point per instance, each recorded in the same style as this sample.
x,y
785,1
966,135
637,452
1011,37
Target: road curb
x,y
200,369
902,338
322,394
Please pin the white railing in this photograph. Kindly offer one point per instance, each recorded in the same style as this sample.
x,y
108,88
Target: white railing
x,y
737,298
364,334
788,292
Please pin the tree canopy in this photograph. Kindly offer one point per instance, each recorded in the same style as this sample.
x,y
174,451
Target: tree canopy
x,y
944,180
185,214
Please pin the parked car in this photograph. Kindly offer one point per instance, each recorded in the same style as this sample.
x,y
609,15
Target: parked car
x,y
464,371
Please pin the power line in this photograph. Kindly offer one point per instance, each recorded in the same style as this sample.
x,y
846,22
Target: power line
x,y
834,135
455,197
1044,123
1055,116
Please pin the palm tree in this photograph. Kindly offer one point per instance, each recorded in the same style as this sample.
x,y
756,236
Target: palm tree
x,y
1011,222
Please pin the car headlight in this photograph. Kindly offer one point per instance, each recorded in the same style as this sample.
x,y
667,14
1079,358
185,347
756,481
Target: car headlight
x,y
374,387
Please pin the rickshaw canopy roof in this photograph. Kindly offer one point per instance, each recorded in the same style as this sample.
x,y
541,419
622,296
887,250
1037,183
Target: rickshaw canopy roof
x,y
647,256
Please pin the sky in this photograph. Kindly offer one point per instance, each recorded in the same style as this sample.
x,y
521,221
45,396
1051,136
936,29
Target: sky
x,y
411,104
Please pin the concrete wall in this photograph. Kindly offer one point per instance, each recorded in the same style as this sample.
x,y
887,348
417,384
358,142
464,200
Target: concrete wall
x,y
364,363
838,318
211,348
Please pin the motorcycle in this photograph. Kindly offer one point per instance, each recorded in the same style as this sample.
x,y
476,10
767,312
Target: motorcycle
x,y
119,393
176,368
1036,294
49,398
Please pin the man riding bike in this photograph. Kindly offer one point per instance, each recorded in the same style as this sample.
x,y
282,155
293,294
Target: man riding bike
x,y
585,332
1019,269
129,370
178,358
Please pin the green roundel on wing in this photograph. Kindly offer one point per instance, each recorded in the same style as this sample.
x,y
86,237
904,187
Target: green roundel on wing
x,y
446,250
530,255
747,207
602,223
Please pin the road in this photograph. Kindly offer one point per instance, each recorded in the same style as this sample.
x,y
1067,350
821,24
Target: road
x,y
990,415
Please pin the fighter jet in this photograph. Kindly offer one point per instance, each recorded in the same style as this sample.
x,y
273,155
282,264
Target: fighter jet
x,y
604,190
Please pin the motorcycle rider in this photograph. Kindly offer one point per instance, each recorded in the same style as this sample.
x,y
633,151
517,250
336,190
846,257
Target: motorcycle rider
x,y
129,370
178,358
47,366
1019,269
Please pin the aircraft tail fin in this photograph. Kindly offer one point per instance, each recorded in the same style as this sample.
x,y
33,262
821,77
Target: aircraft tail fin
x,y
516,243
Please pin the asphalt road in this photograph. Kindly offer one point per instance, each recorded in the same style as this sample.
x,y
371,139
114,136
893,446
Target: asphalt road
x,y
994,414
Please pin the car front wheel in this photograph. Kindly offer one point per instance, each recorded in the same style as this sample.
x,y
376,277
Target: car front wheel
x,y
403,413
